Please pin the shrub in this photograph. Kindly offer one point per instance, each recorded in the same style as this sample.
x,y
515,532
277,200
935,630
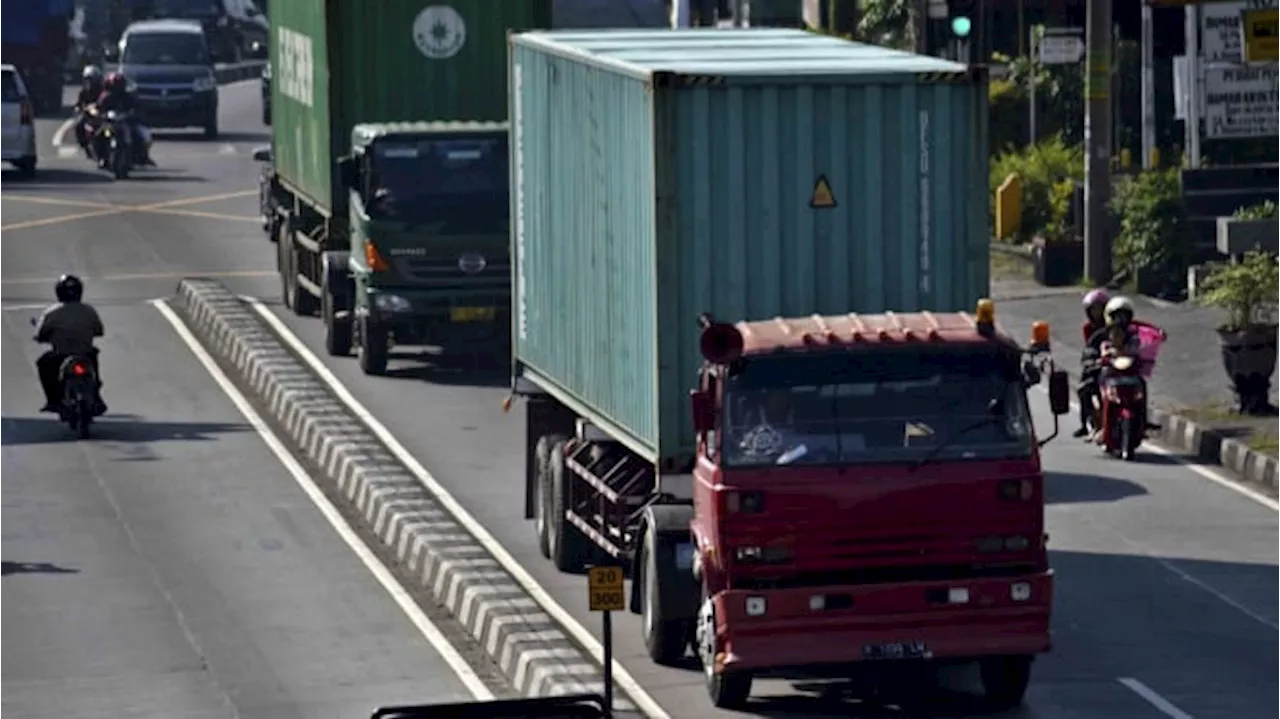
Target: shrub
x,y
1245,289
1153,242
1049,169
1261,211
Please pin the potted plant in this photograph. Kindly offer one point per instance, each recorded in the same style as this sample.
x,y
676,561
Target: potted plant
x,y
1247,290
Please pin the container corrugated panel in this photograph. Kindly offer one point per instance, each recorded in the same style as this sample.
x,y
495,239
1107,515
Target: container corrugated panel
x,y
337,63
664,174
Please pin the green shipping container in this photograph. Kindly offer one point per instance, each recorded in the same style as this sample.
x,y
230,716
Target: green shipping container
x,y
748,173
337,63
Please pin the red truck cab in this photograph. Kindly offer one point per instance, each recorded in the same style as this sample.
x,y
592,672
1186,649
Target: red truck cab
x,y
868,496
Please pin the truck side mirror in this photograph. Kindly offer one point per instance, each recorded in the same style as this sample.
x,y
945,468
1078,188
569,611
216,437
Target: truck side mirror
x,y
262,154
704,419
1059,392
347,172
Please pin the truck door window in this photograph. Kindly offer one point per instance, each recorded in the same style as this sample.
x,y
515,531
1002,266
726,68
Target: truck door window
x,y
874,406
458,183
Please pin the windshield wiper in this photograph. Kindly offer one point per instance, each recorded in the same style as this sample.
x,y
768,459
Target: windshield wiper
x,y
995,409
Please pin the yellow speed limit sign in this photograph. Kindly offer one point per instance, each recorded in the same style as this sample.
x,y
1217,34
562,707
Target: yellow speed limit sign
x,y
1261,35
604,586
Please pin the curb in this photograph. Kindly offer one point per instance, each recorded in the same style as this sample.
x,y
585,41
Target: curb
x,y
1210,445
525,642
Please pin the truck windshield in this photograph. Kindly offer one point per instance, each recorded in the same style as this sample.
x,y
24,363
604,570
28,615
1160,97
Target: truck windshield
x,y
862,407
179,48
460,182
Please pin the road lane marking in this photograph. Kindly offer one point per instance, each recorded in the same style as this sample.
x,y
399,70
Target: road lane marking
x,y
379,570
1149,695
207,215
40,200
145,276
159,208
46,221
646,703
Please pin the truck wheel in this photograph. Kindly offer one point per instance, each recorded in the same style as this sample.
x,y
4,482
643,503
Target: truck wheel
x,y
571,550
373,348
1004,680
284,262
665,639
304,303
726,690
542,492
337,332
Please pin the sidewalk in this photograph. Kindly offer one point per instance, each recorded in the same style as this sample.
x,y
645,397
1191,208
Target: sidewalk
x,y
1190,392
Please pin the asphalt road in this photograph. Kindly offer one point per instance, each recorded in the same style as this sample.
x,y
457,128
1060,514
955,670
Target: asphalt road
x,y
170,566
1166,581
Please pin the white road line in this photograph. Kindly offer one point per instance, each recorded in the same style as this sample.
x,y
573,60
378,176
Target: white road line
x,y
580,634
227,149
60,134
23,308
1148,694
375,566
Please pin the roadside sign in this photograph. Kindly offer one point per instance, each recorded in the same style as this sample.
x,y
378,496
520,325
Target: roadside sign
x,y
605,589
1261,31
1222,33
1061,48
1241,102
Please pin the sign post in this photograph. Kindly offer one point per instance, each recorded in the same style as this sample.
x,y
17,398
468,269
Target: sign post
x,y
605,595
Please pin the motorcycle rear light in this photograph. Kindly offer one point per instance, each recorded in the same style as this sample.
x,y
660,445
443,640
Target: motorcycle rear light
x,y
743,502
1014,489
78,370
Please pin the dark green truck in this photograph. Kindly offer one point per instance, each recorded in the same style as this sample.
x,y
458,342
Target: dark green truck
x,y
387,190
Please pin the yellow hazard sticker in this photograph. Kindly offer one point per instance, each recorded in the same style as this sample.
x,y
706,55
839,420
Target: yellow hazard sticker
x,y
822,198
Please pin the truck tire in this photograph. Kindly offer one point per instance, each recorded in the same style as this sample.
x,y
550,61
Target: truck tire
x,y
304,304
542,492
337,332
665,639
1004,680
571,550
726,690
373,348
284,261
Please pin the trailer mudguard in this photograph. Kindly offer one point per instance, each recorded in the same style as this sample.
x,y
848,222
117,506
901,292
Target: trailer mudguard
x,y
678,592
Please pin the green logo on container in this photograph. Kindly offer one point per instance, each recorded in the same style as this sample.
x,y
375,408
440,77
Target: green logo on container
x,y
439,32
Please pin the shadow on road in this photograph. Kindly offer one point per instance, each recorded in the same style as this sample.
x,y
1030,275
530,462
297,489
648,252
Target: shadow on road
x,y
452,371
1075,488
48,430
7,568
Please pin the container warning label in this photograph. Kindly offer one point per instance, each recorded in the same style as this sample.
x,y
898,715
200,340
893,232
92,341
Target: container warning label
x,y
822,198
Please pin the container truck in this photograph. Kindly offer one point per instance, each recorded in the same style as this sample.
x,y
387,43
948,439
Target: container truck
x,y
843,483
36,40
387,189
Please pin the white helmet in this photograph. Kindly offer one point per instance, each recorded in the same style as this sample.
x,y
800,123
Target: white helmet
x,y
1118,305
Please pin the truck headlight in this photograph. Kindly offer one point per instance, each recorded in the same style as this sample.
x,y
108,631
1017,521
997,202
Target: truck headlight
x,y
391,303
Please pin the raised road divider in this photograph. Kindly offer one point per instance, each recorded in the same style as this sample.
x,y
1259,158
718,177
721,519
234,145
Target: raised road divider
x,y
534,652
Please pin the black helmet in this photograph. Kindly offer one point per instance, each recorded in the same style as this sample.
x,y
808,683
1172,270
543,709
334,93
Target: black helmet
x,y
69,288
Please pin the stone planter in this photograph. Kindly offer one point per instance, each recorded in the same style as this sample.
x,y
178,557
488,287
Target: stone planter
x,y
1249,357
1058,263
1236,237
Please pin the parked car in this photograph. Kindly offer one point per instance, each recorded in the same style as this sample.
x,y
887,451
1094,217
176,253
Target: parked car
x,y
19,140
170,70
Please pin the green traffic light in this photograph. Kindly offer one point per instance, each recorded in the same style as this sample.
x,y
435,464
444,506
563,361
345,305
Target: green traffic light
x,y
961,26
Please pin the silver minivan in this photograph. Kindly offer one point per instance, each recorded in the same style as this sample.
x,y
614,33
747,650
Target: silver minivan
x,y
19,128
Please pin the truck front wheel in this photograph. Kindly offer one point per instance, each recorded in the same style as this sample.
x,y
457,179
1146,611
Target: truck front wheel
x,y
1005,679
374,348
665,638
727,690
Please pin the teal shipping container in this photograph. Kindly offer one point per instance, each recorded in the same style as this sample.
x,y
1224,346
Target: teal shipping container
x,y
746,173
337,63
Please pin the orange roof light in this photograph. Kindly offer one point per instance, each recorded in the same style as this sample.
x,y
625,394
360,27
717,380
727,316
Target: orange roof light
x,y
1040,334
986,312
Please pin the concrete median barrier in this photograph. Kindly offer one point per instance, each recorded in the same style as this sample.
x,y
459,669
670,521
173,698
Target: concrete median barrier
x,y
535,653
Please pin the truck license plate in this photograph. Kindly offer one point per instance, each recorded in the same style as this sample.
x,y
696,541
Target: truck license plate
x,y
471,314
896,650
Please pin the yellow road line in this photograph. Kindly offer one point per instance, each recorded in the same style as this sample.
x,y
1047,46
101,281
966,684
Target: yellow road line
x,y
107,209
208,215
59,201
56,220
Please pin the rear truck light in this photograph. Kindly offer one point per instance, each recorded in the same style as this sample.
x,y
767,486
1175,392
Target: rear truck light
x,y
78,369
762,555
1020,591
1014,489
25,115
373,259
756,606
742,502
990,545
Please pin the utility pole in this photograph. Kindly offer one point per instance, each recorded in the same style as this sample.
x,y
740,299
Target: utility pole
x,y
1097,142
1148,90
1193,83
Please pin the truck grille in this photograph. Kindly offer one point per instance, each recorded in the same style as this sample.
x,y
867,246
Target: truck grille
x,y
444,274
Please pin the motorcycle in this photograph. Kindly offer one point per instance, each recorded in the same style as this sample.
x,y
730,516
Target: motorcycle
x,y
79,393
113,143
1119,404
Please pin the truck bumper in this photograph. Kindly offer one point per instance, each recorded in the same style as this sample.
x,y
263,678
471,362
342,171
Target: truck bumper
x,y
417,317
921,622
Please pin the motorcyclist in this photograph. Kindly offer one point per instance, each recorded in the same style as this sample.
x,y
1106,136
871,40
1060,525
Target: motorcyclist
x,y
1095,304
1119,334
69,328
91,87
116,96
